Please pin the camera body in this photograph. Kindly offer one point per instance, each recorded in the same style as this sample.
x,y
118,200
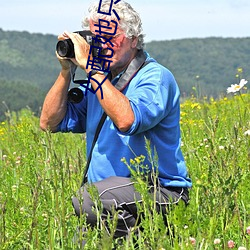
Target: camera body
x,y
65,48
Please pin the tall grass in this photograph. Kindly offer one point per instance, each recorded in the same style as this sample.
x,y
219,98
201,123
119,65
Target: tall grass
x,y
40,172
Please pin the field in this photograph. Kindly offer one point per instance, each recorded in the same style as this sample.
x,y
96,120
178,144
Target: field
x,y
40,172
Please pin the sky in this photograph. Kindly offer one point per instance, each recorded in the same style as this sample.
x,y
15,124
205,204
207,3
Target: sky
x,y
162,19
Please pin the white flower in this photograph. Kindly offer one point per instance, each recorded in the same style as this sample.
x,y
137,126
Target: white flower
x,y
248,230
242,248
192,240
217,241
237,87
247,133
22,210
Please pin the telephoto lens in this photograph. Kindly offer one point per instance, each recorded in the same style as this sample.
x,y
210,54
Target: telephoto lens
x,y
65,48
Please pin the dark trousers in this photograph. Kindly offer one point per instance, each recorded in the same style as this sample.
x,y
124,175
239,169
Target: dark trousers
x,y
119,194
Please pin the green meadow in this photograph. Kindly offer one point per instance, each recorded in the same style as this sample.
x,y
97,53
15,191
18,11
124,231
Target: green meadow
x,y
40,172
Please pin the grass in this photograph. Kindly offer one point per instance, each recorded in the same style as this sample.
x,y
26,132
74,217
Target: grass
x,y
40,172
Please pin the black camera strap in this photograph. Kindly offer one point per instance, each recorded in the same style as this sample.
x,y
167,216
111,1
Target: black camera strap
x,y
97,132
136,64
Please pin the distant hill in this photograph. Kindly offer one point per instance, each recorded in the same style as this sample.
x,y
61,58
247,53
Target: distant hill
x,y
28,65
209,64
28,58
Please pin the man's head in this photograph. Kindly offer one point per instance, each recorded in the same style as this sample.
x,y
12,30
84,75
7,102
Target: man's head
x,y
129,22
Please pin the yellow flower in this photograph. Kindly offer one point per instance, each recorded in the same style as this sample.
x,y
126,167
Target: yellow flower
x,y
195,105
240,70
138,160
132,162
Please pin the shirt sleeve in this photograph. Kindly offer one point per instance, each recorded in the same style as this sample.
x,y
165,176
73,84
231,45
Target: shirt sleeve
x,y
75,118
153,97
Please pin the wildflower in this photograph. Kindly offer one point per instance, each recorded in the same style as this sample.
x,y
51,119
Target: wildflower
x,y
192,240
248,230
132,162
221,147
45,216
247,133
198,182
240,70
230,244
195,106
242,248
123,159
216,241
237,87
137,159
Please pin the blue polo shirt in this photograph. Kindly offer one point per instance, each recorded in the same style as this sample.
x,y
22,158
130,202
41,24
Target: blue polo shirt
x,y
154,97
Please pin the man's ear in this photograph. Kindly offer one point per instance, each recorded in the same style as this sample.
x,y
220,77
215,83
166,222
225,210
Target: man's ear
x,y
134,42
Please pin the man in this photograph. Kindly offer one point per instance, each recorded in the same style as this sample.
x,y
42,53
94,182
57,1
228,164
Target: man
x,y
141,100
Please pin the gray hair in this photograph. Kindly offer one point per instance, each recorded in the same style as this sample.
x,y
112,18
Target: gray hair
x,y
130,21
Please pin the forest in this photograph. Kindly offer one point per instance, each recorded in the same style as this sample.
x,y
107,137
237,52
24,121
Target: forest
x,y
202,67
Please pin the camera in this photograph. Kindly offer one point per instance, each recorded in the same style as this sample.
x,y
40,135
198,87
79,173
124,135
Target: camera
x,y
65,48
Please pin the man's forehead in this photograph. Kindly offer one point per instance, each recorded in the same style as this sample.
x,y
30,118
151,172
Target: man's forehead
x,y
107,26
97,23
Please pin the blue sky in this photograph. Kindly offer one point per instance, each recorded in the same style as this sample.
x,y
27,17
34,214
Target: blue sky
x,y
162,19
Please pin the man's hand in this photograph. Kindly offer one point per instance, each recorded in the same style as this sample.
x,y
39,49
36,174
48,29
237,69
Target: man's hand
x,y
81,48
66,63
